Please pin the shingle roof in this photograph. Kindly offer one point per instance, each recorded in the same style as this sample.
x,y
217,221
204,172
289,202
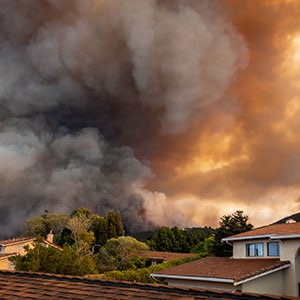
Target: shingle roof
x,y
16,241
224,268
167,256
276,230
24,285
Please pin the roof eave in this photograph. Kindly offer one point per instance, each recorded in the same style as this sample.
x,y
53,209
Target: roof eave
x,y
198,278
243,238
286,236
18,242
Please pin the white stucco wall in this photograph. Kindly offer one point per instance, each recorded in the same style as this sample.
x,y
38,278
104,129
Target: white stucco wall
x,y
18,248
288,251
239,248
201,284
5,264
270,284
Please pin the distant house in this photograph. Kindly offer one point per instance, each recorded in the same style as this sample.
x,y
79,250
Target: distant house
x,y
265,260
15,246
159,257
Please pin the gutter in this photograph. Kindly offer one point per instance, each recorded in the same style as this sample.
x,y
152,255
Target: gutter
x,y
211,279
261,275
263,236
290,236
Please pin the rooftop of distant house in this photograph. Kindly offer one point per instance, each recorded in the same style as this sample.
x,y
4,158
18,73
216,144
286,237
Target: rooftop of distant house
x,y
167,256
16,241
24,285
278,231
223,269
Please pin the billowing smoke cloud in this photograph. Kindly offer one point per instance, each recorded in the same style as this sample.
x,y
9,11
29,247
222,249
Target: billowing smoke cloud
x,y
244,153
89,89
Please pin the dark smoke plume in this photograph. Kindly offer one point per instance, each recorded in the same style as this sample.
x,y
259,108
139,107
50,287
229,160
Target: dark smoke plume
x,y
86,83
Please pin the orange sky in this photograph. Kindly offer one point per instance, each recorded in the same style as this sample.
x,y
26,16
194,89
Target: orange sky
x,y
244,151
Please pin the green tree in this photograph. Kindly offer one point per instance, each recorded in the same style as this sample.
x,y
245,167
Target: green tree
x,y
206,247
79,225
119,253
169,240
107,227
230,225
42,225
114,224
99,227
51,260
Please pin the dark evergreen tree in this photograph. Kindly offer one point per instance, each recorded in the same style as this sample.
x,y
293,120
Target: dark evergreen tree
x,y
230,225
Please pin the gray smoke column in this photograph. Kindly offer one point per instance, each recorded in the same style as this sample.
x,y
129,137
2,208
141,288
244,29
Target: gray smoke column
x,y
81,80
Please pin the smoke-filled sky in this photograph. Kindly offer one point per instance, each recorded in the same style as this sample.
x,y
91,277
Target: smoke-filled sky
x,y
173,112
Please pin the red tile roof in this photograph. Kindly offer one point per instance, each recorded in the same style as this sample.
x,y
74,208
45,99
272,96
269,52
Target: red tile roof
x,y
223,268
167,256
24,285
16,241
277,230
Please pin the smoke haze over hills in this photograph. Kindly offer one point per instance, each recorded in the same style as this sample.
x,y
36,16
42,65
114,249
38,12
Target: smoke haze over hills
x,y
172,112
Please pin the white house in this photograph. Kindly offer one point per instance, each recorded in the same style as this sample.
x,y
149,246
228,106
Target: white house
x,y
265,260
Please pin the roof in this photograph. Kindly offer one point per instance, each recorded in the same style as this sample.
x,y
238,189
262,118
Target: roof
x,y
24,285
6,255
167,256
275,231
52,245
232,271
16,241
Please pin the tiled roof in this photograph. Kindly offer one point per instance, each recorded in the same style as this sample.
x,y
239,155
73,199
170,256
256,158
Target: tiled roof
x,y
224,268
53,245
289,229
166,256
16,241
23,285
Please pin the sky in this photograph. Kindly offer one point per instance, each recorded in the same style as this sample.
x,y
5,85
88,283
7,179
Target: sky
x,y
173,112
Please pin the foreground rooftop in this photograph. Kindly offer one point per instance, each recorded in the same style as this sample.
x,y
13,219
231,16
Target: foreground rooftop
x,y
25,285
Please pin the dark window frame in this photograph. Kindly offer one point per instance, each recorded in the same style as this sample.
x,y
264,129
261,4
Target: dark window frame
x,y
278,248
258,249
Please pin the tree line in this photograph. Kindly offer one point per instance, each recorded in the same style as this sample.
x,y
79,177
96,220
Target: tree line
x,y
94,244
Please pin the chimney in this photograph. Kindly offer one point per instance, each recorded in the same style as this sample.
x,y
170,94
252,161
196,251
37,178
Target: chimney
x,y
50,236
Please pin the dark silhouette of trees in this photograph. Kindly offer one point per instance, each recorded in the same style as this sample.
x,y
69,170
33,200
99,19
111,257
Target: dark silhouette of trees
x,y
229,225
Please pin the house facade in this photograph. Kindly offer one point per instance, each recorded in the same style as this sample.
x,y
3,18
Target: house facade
x,y
265,260
15,246
12,247
275,241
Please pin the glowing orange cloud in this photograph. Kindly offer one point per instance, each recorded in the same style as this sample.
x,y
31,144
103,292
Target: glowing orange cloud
x,y
245,151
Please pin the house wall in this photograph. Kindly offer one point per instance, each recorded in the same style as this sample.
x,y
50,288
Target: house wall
x,y
239,248
201,284
269,284
5,264
18,248
289,251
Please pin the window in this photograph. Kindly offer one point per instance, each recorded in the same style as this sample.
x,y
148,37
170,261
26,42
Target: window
x,y
273,249
255,249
